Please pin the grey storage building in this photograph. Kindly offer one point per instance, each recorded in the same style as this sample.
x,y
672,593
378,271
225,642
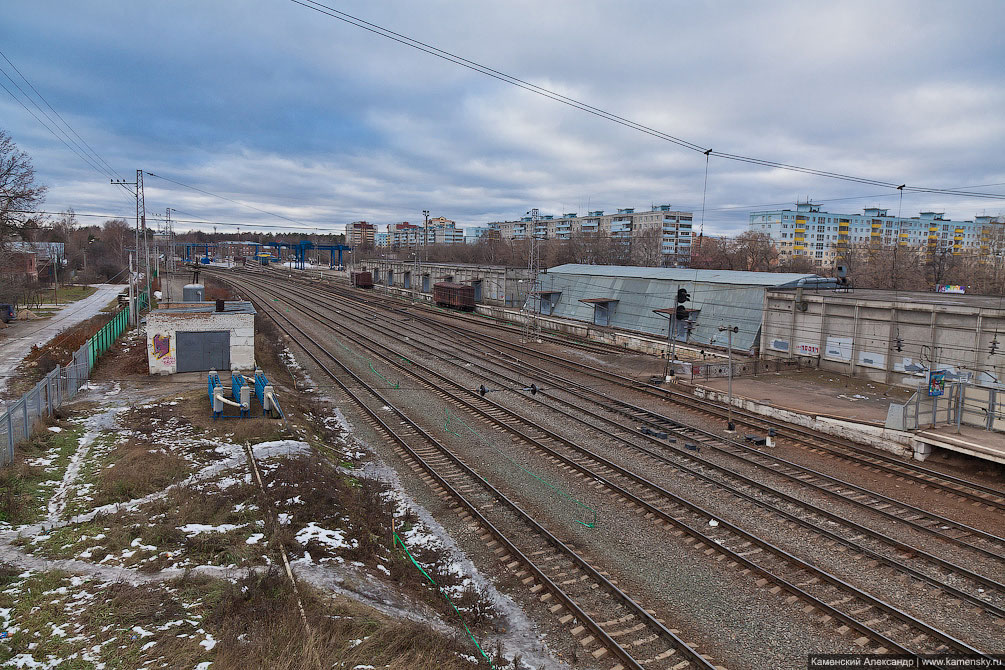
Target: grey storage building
x,y
627,297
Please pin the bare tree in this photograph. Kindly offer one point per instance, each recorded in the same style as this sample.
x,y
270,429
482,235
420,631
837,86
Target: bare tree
x,y
20,196
647,248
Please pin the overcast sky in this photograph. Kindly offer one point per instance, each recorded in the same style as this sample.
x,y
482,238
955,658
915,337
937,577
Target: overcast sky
x,y
291,111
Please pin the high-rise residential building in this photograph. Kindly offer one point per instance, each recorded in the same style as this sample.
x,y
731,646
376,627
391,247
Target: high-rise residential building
x,y
672,229
407,235
474,233
444,231
360,232
403,235
824,237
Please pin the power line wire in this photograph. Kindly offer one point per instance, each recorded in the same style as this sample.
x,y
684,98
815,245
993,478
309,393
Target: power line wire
x,y
596,111
236,202
110,170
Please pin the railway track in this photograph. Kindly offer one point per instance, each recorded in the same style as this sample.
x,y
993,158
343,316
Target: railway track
x,y
886,627
953,531
581,595
871,459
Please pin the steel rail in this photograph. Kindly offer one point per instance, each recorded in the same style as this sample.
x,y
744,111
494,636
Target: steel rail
x,y
831,579
636,413
744,480
595,628
945,481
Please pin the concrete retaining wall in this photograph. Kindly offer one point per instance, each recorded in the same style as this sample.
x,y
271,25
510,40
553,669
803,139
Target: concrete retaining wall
x,y
897,442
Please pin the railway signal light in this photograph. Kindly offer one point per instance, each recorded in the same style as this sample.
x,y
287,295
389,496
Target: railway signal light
x,y
482,390
682,313
682,295
532,388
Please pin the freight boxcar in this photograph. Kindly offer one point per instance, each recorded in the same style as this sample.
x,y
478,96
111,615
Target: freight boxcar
x,y
458,296
361,279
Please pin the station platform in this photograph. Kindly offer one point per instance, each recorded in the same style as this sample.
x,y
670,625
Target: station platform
x,y
852,408
817,393
985,444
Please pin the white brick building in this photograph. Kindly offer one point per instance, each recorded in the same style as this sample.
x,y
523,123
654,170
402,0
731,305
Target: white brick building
x,y
190,337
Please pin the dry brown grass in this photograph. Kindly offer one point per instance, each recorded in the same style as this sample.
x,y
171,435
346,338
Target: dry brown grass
x,y
123,606
196,409
40,361
22,486
260,627
268,343
216,289
360,507
135,470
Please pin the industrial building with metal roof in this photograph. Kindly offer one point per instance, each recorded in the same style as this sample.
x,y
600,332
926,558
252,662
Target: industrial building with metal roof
x,y
640,299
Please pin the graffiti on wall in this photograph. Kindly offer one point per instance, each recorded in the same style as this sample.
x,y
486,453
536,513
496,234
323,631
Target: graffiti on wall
x,y
161,346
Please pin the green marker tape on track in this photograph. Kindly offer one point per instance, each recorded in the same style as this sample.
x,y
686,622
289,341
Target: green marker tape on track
x,y
398,541
454,418
369,364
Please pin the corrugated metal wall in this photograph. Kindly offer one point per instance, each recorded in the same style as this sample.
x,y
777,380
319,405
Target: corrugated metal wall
x,y
719,304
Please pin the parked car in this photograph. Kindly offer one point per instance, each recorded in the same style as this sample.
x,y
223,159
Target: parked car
x,y
7,313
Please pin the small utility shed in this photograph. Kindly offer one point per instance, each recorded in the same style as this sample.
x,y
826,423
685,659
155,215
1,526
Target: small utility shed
x,y
190,337
626,297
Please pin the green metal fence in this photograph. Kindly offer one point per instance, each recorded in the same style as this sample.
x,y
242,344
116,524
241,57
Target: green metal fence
x,y
103,339
19,418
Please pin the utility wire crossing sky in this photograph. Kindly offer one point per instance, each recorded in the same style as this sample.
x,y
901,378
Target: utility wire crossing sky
x,y
276,116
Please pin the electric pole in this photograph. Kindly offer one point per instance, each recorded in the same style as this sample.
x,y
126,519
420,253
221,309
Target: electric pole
x,y
425,240
141,208
730,428
532,331
169,257
133,292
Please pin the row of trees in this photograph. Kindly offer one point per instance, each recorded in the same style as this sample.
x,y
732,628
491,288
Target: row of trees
x,y
644,250
868,265
96,253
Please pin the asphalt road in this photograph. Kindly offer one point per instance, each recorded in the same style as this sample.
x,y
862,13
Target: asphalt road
x,y
18,338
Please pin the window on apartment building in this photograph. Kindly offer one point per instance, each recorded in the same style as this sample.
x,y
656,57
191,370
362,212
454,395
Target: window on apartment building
x,y
820,229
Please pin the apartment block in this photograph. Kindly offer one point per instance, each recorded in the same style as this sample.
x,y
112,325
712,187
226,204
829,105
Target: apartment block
x,y
823,237
671,227
360,233
410,235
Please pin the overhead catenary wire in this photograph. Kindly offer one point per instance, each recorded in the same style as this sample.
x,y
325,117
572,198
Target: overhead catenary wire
x,y
223,197
96,163
376,29
110,170
195,220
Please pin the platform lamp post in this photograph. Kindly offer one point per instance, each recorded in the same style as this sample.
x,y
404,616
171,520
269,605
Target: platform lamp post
x,y
730,428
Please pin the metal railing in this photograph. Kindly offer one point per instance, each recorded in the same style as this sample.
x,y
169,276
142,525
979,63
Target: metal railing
x,y
962,404
20,418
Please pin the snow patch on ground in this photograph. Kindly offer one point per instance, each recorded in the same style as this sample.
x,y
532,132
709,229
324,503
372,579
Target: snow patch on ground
x,y
333,539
